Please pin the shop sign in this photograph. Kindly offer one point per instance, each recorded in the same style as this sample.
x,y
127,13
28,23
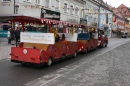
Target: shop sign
x,y
3,33
48,14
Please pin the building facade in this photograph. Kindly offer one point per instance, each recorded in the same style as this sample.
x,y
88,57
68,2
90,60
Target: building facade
x,y
124,10
70,10
105,18
114,26
91,13
118,23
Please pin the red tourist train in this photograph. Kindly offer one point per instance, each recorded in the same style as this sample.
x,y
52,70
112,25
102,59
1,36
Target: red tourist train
x,y
45,48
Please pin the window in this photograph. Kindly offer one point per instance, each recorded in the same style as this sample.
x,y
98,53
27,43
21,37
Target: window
x,y
89,18
71,8
86,17
76,11
47,3
38,1
57,5
91,7
101,20
65,7
27,0
6,0
94,20
81,12
86,5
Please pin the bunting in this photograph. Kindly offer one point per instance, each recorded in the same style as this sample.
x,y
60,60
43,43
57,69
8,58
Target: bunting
x,y
91,11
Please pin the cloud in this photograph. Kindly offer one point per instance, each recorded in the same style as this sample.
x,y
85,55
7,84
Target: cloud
x,y
117,3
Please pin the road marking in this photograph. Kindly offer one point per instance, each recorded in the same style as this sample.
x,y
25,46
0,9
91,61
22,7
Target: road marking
x,y
52,76
43,80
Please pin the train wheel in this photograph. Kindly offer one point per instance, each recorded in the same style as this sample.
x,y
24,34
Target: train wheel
x,y
49,63
103,45
63,56
86,50
106,45
96,48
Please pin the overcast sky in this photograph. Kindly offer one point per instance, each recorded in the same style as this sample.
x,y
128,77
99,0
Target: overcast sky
x,y
116,3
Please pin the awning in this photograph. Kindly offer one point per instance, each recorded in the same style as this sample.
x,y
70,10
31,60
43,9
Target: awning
x,y
35,19
15,15
20,18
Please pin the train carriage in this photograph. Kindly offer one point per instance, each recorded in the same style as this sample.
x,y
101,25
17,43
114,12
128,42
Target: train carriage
x,y
40,48
44,48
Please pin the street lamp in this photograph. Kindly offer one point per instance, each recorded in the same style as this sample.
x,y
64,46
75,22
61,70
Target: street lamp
x,y
16,9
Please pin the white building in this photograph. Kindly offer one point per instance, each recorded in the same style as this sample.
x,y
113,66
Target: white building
x,y
69,9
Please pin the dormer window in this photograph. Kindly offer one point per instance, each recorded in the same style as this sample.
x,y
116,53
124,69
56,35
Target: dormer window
x,y
47,3
65,7
77,11
27,0
71,8
57,4
38,1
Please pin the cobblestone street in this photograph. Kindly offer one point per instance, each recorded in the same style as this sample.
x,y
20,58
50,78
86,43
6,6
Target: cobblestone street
x,y
109,69
5,49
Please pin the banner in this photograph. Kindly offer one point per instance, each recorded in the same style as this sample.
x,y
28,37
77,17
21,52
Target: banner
x,y
41,38
83,36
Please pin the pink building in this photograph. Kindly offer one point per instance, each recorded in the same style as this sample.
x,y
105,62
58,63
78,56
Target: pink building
x,y
118,23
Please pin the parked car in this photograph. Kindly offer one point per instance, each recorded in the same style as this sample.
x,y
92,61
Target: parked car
x,y
124,35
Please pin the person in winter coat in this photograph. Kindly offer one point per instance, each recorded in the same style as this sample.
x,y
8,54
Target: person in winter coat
x,y
12,35
17,36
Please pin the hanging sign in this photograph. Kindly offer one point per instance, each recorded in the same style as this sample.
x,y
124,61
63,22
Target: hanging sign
x,y
48,14
41,38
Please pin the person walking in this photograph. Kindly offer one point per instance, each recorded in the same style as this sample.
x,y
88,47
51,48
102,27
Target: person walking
x,y
17,36
9,37
12,35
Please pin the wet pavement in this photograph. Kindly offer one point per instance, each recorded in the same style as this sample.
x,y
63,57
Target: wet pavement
x,y
106,69
91,68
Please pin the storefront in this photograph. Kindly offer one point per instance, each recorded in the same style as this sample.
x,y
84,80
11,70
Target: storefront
x,y
4,26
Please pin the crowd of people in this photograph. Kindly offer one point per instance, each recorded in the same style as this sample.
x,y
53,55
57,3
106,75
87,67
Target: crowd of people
x,y
14,35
